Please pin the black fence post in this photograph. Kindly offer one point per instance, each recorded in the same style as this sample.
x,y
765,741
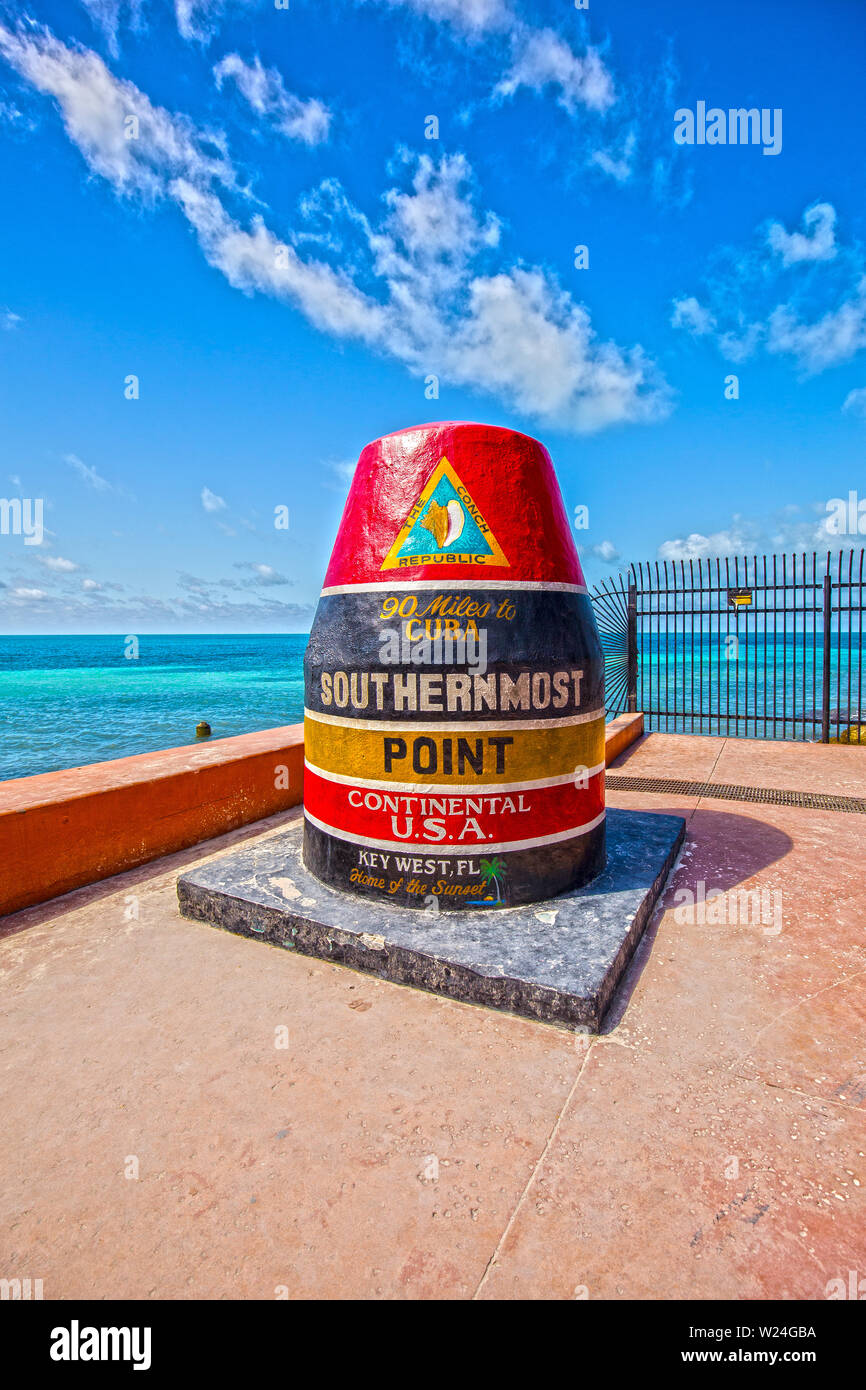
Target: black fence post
x,y
631,656
825,692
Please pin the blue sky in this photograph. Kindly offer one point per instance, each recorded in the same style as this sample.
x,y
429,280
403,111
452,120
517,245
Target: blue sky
x,y
237,205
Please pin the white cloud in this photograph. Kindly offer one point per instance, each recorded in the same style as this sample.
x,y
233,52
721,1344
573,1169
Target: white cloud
x,y
87,474
109,14
742,308
605,550
338,475
430,234
736,540
264,90
735,344
195,17
200,19
740,343
12,116
101,607
835,337
515,333
780,532
697,546
257,260
525,339
619,166
690,314
57,562
543,59
261,574
99,111
628,137
211,502
266,574
473,17
855,402
422,287
8,320
816,243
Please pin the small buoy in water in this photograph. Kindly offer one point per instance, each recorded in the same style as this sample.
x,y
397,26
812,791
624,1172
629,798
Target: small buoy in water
x,y
202,729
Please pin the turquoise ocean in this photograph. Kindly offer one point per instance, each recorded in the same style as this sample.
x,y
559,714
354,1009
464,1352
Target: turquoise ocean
x,y
65,701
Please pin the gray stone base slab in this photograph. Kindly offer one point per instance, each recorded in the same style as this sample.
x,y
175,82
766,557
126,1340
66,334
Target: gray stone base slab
x,y
557,961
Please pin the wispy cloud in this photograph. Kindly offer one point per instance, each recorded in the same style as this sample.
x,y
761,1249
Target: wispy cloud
x,y
786,530
199,19
617,129
817,242
542,59
689,314
24,593
835,337
261,574
110,15
470,17
211,501
88,475
59,564
855,402
135,145
338,475
606,551
265,92
819,324
429,285
513,332
94,606
619,165
736,539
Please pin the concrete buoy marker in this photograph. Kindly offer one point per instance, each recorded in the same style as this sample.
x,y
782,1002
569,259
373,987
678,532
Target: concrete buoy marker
x,y
202,729
454,681
454,745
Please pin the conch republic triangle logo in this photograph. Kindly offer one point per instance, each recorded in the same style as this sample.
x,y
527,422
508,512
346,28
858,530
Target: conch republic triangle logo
x,y
444,527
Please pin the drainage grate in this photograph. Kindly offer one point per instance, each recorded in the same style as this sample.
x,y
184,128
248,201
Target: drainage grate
x,y
814,801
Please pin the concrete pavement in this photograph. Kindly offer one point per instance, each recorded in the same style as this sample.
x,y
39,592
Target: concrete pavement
x,y
188,1114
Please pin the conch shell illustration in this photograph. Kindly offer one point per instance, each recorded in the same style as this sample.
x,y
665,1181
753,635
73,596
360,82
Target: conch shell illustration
x,y
444,523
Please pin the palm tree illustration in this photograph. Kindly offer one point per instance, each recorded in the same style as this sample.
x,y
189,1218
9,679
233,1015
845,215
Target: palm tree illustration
x,y
493,870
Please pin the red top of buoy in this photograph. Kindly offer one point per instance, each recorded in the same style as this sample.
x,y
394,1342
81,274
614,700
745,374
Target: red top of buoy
x,y
454,499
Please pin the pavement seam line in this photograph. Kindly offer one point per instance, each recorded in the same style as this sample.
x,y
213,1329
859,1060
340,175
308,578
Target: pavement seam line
x,y
531,1179
806,999
710,773
803,1095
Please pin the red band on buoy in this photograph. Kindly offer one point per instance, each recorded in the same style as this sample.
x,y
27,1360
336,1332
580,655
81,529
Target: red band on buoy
x,y
442,818
454,502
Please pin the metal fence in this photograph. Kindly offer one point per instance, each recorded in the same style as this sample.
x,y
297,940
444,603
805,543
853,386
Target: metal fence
x,y
767,646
